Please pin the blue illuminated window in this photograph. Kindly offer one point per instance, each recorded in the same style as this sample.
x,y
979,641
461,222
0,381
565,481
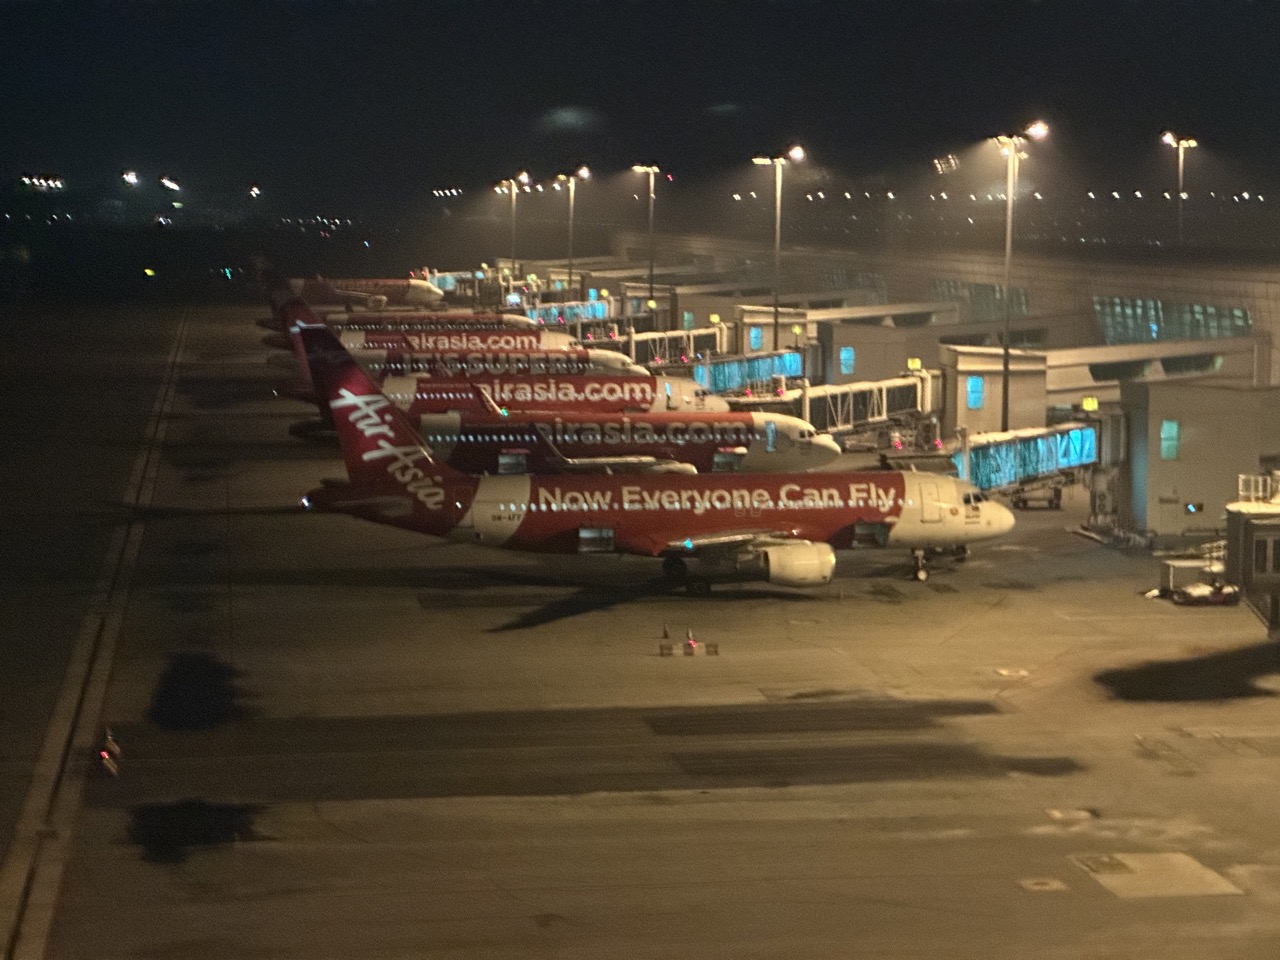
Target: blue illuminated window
x,y
771,436
846,361
975,388
756,338
1170,434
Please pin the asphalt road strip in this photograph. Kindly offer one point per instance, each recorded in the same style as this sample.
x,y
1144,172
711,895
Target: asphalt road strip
x,y
32,869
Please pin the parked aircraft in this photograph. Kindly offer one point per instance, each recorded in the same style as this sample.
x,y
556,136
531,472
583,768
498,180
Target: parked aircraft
x,y
455,338
287,309
395,320
454,365
445,386
441,359
487,337
554,442
365,292
783,528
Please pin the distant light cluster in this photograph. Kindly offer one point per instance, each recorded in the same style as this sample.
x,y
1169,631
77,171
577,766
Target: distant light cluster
x,y
447,192
1244,196
43,184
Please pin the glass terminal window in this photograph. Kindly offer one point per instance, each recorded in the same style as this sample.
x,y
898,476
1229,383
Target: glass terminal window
x,y
975,387
1170,435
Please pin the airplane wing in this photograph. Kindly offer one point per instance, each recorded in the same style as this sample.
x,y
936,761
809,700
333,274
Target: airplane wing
x,y
636,464
371,300
718,542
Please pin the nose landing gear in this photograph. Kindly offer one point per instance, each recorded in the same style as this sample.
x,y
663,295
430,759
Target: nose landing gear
x,y
921,560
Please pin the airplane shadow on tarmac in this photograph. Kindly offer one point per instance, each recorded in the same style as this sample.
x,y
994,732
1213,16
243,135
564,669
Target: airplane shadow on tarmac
x,y
207,393
590,595
197,691
1227,675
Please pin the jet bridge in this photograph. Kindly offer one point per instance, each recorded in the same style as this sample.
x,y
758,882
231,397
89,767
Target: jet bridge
x,y
1029,464
848,409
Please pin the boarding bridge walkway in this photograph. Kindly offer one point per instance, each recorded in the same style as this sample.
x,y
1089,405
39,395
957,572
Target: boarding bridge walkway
x,y
1029,464
848,409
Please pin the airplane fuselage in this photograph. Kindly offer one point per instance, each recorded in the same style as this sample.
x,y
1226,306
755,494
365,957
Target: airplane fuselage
x,y
705,442
580,514
452,364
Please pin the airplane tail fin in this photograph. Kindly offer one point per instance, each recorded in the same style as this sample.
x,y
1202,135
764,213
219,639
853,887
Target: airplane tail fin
x,y
297,315
381,446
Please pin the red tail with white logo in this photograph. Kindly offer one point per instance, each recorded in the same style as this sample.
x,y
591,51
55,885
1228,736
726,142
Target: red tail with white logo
x,y
394,477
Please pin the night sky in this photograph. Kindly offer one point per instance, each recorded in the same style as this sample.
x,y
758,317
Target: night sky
x,y
367,98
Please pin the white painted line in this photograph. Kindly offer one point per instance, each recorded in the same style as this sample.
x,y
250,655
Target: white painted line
x,y
33,865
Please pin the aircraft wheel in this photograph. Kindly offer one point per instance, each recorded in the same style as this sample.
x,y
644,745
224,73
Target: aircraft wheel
x,y
675,568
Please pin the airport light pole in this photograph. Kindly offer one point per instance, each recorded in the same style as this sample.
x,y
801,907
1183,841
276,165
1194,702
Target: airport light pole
x,y
582,173
794,155
651,170
1182,146
1011,146
513,185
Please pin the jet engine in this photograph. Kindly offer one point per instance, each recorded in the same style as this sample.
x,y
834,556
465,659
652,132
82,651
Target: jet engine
x,y
798,564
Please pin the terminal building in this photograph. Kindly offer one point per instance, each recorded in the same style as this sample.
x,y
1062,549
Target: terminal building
x,y
1175,361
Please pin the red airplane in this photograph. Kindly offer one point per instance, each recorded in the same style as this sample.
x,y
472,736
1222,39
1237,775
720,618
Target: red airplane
x,y
457,338
782,527
440,357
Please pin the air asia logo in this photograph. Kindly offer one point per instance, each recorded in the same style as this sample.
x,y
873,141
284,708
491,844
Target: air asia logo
x,y
372,416
637,391
460,341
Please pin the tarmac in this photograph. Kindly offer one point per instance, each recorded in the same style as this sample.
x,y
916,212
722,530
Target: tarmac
x,y
345,741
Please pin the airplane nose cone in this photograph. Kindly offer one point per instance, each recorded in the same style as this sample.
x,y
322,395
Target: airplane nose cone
x,y
826,443
1002,518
